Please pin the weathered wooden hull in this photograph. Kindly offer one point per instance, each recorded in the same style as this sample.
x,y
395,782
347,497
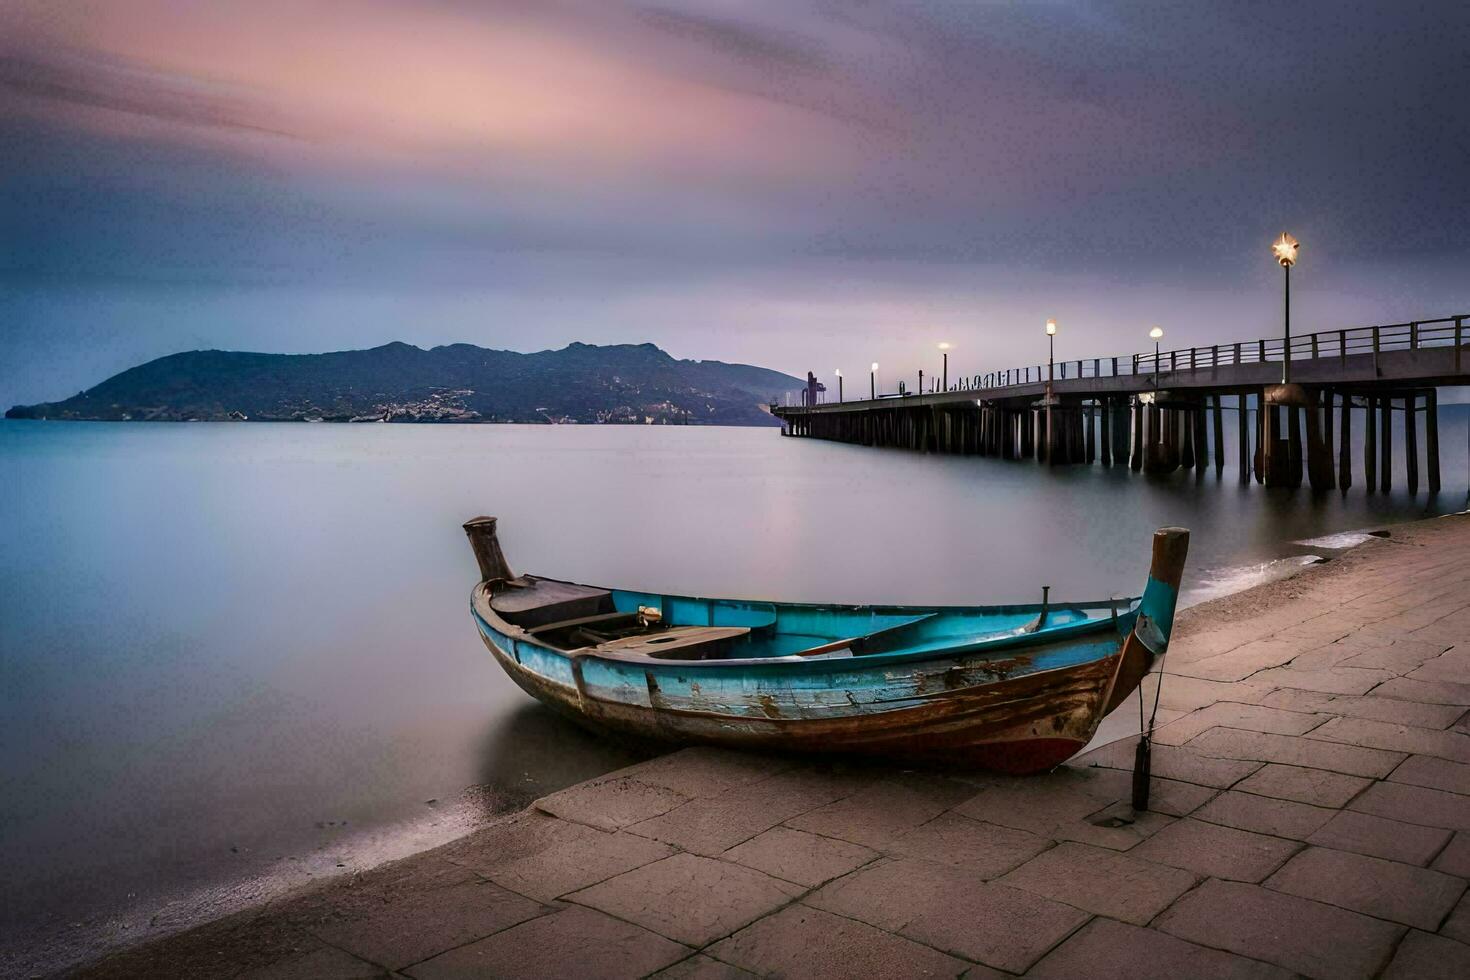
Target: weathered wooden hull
x,y
1012,688
972,716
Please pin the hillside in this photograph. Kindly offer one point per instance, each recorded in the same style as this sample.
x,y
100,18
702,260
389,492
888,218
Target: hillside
x,y
398,382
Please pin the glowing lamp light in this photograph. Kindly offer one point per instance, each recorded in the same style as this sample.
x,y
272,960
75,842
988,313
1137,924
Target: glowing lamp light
x,y
875,366
839,372
1284,248
944,346
1051,328
1156,333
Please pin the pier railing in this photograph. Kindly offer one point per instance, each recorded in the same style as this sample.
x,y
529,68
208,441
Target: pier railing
x,y
1416,334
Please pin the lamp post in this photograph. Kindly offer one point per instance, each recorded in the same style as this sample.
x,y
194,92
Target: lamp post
x,y
1051,350
944,381
1284,248
1156,333
873,382
839,385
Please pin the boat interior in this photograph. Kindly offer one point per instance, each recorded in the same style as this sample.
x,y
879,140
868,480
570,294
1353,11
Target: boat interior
x,y
571,617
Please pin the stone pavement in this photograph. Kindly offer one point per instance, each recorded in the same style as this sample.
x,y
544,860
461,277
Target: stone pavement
x,y
1310,815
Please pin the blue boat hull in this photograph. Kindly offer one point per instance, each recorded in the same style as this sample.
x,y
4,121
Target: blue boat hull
x,y
965,687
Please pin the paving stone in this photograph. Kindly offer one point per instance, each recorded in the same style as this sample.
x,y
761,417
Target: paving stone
x,y
325,963
1184,763
1061,805
705,770
1301,935
1249,717
610,804
688,898
415,925
1168,796
984,973
1363,833
1252,658
526,833
1433,692
574,942
1371,706
712,825
1385,889
987,850
1220,852
801,941
1340,651
1457,926
1455,858
1449,745
945,907
1116,885
1230,743
1434,773
797,856
1319,787
1424,957
1415,804
1190,646
1264,815
1108,950
1190,693
1452,665
701,967
1400,656
1329,680
877,814
574,864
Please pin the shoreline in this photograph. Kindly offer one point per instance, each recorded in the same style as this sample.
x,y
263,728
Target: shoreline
x,y
1280,599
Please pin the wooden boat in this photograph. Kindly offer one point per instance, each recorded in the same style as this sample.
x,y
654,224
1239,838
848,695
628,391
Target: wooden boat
x,y
1015,688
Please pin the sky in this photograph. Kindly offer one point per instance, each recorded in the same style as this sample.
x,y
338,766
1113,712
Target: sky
x,y
800,184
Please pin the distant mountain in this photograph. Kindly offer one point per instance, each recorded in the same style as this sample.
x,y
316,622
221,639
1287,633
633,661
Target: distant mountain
x,y
459,383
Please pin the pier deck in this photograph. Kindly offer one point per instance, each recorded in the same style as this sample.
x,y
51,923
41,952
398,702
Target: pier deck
x,y
1310,815
1158,412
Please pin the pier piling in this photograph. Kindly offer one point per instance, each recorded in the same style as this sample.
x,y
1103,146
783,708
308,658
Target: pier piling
x,y
1219,420
1370,444
1431,437
1385,444
1411,441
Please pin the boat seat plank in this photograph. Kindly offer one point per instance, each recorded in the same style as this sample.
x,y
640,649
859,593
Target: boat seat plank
x,y
604,619
675,643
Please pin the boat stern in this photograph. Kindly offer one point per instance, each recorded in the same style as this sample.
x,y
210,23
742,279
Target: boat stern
x,y
1149,638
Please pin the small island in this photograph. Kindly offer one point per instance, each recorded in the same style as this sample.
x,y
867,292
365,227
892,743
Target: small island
x,y
398,382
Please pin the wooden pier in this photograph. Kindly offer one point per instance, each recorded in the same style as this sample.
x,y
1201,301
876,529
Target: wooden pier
x,y
1157,413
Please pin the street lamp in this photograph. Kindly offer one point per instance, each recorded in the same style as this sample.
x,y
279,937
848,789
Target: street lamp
x,y
1156,333
873,382
839,385
944,381
1284,248
1051,349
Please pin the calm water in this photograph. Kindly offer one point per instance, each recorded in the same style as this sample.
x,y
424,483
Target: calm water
x,y
234,651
